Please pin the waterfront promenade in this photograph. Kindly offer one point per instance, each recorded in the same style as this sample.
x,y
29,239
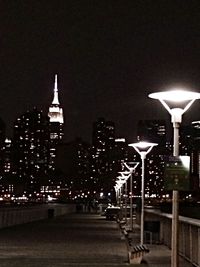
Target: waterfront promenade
x,y
72,240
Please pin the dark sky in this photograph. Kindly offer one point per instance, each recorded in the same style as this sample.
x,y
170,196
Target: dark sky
x,y
109,55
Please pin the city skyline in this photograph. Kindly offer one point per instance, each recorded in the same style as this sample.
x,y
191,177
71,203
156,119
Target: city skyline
x,y
108,57
89,136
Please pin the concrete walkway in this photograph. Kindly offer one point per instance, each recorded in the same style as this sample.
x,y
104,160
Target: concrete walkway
x,y
160,256
73,240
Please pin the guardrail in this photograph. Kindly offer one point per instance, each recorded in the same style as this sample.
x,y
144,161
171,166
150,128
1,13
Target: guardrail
x,y
189,234
18,215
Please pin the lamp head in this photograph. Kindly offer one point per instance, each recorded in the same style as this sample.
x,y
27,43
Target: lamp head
x,y
183,100
124,173
142,145
143,148
119,183
176,95
122,179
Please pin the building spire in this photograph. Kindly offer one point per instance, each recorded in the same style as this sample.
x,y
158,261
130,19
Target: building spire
x,y
55,111
56,82
55,98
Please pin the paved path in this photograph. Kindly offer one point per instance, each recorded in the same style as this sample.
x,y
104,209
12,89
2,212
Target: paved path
x,y
160,256
71,240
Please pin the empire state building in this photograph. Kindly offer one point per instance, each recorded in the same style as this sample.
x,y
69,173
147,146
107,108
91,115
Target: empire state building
x,y
56,123
55,115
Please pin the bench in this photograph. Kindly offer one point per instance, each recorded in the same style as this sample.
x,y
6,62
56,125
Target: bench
x,y
136,253
124,235
122,223
125,232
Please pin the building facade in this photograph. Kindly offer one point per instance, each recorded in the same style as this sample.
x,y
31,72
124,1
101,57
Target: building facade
x,y
154,131
31,149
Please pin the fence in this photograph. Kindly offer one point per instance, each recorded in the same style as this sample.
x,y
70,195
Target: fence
x,y
189,234
12,216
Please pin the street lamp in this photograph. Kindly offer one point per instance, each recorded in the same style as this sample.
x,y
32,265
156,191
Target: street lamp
x,y
125,176
119,183
143,148
182,100
131,168
117,187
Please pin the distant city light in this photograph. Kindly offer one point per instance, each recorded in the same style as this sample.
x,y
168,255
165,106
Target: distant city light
x,y
120,140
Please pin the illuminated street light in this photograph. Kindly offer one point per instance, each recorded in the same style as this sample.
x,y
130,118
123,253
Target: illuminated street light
x,y
117,189
125,175
131,168
143,148
183,101
119,183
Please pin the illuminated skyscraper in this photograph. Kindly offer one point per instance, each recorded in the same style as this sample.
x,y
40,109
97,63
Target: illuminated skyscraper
x,y
154,131
55,112
103,142
2,140
7,155
56,117
195,156
31,148
56,123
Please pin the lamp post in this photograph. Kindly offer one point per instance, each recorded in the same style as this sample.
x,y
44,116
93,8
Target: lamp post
x,y
125,176
119,184
183,101
131,169
143,148
117,188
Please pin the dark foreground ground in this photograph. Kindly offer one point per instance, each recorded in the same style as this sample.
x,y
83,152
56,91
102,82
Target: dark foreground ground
x,y
72,240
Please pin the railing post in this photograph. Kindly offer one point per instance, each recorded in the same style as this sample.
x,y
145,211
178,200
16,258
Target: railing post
x,y
161,230
198,244
190,238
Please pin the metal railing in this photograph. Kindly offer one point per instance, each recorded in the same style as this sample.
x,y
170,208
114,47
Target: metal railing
x,y
189,234
18,215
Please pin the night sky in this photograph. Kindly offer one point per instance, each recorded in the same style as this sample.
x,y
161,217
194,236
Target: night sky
x,y
109,55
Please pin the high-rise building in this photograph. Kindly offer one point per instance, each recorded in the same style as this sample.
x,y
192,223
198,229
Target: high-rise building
x,y
7,155
31,148
152,131
103,134
56,117
195,156
186,139
56,124
103,143
154,180
73,166
2,142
